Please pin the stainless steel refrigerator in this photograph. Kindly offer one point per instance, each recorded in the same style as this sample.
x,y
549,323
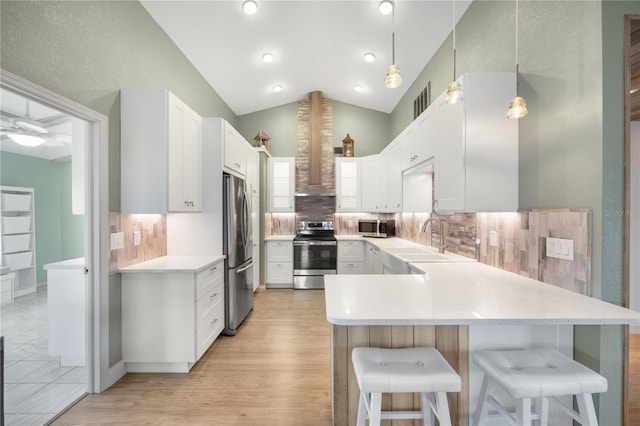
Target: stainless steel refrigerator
x,y
238,248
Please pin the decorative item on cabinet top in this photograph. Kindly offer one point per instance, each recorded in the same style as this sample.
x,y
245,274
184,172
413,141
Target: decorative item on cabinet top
x,y
262,139
348,147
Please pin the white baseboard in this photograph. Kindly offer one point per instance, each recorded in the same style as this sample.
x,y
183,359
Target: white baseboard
x,y
114,374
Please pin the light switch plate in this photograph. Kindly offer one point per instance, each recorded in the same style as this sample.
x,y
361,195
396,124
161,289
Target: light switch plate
x,y
137,238
493,238
560,248
117,241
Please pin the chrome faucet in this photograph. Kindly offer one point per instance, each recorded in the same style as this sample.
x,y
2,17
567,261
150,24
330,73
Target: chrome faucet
x,y
424,229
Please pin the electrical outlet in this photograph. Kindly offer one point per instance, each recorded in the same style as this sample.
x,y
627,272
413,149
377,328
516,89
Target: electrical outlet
x,y
560,248
493,238
137,238
117,241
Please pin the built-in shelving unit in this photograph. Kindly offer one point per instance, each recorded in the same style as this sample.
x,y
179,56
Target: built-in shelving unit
x,y
18,242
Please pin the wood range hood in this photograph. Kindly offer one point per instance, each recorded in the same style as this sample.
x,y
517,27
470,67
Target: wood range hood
x,y
317,176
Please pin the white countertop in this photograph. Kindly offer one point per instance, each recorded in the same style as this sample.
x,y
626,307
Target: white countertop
x,y
461,294
173,264
77,263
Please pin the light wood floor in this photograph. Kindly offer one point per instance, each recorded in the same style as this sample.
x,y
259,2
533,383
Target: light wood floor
x,y
634,379
275,371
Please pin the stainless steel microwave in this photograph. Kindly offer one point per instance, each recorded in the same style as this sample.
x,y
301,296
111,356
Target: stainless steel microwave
x,y
376,228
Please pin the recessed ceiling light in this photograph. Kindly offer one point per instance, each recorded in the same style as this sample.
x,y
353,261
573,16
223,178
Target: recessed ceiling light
x,y
369,57
267,57
250,7
386,7
277,88
358,88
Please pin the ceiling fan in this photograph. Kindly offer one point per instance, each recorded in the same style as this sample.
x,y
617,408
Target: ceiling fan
x,y
29,132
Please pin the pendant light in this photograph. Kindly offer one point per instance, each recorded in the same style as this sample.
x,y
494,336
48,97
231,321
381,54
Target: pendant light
x,y
393,78
454,91
517,106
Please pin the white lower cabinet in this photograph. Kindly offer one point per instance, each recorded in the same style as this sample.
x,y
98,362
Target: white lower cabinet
x,y
279,259
350,257
169,319
373,262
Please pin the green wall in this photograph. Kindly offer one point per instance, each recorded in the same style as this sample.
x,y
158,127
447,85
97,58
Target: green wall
x,y
571,143
369,128
87,51
59,234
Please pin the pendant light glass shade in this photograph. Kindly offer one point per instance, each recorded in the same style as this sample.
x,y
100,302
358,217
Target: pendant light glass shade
x,y
393,78
517,108
454,93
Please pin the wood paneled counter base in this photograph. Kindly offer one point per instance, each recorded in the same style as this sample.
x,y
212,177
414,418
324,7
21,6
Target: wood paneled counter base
x,y
450,340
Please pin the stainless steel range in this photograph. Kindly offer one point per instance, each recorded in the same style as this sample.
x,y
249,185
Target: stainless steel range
x,y
315,254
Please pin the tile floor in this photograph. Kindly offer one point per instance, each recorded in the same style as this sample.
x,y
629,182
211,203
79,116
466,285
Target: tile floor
x,y
36,386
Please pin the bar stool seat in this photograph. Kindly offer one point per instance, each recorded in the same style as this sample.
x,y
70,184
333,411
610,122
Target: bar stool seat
x,y
421,370
539,374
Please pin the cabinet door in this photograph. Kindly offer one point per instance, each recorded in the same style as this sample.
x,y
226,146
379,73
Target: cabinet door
x,y
449,166
373,260
348,185
371,197
185,158
281,184
235,156
391,178
351,251
253,169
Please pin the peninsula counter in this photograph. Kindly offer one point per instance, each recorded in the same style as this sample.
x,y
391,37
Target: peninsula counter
x,y
458,308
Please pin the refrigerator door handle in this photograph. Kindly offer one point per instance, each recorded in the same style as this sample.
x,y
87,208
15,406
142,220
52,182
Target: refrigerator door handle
x,y
246,219
244,268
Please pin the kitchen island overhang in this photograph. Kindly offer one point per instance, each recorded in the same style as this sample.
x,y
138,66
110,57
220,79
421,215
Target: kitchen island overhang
x,y
453,307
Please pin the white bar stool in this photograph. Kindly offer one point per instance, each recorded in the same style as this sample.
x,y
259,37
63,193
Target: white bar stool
x,y
542,374
422,370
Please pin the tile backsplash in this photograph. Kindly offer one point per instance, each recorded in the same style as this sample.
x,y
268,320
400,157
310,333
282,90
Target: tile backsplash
x,y
153,243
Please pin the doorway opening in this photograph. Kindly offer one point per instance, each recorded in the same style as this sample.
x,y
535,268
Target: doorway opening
x,y
60,196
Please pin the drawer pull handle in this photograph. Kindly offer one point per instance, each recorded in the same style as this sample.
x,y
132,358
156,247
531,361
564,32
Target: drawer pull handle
x,y
213,296
213,322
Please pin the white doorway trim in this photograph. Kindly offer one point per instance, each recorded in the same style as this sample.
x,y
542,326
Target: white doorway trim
x,y
96,225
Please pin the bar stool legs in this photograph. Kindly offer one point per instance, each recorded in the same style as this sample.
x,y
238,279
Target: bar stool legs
x,y
414,370
537,375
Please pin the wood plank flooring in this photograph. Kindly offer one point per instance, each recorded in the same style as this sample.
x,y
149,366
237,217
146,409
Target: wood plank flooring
x,y
275,371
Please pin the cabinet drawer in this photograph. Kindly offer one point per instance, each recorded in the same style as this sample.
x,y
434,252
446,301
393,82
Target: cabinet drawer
x,y
209,327
279,251
280,273
209,278
205,303
16,202
351,251
350,268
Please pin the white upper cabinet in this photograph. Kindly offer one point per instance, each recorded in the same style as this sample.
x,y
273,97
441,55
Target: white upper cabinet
x,y
476,161
253,169
281,184
235,151
371,198
419,141
348,185
161,153
391,177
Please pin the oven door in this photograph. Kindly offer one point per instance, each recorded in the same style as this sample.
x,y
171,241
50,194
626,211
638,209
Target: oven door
x,y
312,259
